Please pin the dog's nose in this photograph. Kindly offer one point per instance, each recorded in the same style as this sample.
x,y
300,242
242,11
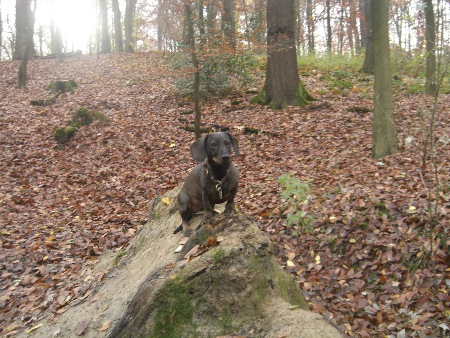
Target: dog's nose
x,y
226,158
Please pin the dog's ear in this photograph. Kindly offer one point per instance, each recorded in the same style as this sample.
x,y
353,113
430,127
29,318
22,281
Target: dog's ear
x,y
198,149
234,144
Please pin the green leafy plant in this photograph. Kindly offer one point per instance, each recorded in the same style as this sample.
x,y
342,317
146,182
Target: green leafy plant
x,y
295,193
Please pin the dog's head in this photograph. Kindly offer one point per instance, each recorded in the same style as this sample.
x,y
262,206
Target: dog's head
x,y
216,147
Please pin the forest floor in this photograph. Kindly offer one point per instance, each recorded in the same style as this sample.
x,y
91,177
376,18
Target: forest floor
x,y
371,254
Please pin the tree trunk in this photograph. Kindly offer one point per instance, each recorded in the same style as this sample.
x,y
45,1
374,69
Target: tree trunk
x,y
228,23
231,285
310,24
22,77
160,22
105,46
23,28
55,35
430,36
329,33
368,66
283,86
384,139
259,24
353,26
191,42
118,36
130,10
1,31
211,19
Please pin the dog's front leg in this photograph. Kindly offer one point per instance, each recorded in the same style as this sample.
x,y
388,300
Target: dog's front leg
x,y
208,208
229,207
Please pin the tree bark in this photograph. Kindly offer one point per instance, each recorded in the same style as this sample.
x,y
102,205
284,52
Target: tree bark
x,y
368,66
55,35
118,36
23,28
191,42
130,11
228,23
430,36
1,31
384,139
310,24
105,46
22,76
283,86
329,33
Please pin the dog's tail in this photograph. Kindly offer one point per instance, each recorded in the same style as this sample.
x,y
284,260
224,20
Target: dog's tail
x,y
178,229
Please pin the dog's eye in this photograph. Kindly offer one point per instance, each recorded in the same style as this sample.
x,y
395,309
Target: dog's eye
x,y
214,144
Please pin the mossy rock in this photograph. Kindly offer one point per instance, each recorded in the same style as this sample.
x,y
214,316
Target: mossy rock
x,y
58,87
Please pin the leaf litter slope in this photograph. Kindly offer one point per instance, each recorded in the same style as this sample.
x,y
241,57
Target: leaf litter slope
x,y
366,263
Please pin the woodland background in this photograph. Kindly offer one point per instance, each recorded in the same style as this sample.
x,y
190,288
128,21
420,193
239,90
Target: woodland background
x,y
367,239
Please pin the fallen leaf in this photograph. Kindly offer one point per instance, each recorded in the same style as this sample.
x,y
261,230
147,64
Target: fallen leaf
x,y
34,328
106,325
81,327
165,200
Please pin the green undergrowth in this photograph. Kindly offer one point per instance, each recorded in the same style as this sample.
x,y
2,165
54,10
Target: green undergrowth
x,y
82,117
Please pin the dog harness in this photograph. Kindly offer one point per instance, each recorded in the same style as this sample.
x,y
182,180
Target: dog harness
x,y
216,181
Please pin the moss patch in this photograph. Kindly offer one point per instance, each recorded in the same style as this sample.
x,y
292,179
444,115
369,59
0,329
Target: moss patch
x,y
57,87
82,117
173,318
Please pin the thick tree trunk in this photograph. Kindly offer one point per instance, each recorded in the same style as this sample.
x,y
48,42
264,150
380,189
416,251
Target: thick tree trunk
x,y
229,285
105,46
283,86
228,23
23,28
118,36
130,10
430,36
22,76
384,139
368,66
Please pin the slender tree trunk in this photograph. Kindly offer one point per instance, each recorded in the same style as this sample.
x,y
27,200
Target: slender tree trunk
x,y
201,19
310,24
1,31
353,25
211,19
195,64
105,46
55,35
384,139
368,66
430,36
228,23
160,23
118,36
130,11
329,33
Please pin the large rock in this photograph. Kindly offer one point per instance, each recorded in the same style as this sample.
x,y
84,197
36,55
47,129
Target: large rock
x,y
230,284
